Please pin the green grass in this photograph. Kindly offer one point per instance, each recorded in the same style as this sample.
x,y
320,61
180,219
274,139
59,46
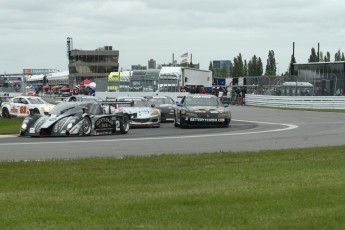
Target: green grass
x,y
288,189
10,126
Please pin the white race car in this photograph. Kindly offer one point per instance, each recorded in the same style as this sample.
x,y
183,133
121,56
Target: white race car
x,y
20,106
143,114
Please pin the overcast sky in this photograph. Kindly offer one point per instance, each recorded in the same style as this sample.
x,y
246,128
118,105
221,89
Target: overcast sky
x,y
33,32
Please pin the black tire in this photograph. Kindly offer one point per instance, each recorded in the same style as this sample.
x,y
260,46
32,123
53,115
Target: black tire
x,y
175,123
5,113
226,124
184,126
86,127
124,124
35,112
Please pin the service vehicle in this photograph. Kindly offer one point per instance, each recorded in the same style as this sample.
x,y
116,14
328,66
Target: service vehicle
x,y
143,113
174,79
20,106
201,110
77,119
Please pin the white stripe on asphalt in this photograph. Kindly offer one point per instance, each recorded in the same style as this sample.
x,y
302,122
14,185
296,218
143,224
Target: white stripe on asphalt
x,y
288,127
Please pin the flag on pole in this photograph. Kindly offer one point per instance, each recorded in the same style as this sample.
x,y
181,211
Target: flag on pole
x,y
184,57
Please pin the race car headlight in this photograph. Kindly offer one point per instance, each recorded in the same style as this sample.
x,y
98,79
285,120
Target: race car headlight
x,y
155,112
24,126
69,126
25,123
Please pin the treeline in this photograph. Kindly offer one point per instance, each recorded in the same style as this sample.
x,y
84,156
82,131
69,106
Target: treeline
x,y
254,67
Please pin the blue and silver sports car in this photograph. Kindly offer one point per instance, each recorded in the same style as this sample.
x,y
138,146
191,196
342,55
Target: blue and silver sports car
x,y
76,119
201,110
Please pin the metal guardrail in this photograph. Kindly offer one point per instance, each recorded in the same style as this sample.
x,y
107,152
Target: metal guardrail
x,y
308,102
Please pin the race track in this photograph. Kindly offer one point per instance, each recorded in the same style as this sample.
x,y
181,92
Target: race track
x,y
251,129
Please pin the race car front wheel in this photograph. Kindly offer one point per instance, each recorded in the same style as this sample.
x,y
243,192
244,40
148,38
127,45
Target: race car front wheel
x,y
226,123
36,111
5,113
86,127
124,124
175,122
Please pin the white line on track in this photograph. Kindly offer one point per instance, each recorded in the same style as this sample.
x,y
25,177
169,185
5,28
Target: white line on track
x,y
5,136
288,127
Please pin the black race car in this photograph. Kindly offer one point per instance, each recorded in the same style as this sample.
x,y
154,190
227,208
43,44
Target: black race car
x,y
77,119
165,104
201,110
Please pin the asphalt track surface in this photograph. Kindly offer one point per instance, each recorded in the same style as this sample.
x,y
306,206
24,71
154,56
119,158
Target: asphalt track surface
x,y
251,129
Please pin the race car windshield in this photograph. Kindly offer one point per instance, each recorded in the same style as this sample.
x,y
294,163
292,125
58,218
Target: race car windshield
x,y
36,101
202,101
161,101
83,99
69,108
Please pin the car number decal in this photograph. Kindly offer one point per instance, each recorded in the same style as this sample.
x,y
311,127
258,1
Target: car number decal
x,y
22,109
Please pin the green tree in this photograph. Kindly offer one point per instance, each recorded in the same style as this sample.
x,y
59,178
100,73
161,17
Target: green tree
x,y
183,64
292,61
313,56
191,65
271,68
255,67
238,67
339,56
210,67
245,68
260,69
327,57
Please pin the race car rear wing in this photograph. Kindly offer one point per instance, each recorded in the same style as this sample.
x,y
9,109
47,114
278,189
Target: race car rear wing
x,y
115,104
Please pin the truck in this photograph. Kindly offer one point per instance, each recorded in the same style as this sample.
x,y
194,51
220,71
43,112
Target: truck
x,y
118,81
174,79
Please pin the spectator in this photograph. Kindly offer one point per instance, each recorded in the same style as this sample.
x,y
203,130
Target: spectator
x,y
89,91
192,90
233,95
243,94
238,96
202,90
221,93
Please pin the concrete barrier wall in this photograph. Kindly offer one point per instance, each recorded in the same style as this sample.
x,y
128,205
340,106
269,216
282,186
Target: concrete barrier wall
x,y
309,102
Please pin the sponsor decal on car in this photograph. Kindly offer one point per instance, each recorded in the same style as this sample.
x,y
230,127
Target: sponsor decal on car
x,y
206,119
103,123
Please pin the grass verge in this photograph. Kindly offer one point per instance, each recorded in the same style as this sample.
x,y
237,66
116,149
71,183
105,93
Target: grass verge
x,y
288,189
10,126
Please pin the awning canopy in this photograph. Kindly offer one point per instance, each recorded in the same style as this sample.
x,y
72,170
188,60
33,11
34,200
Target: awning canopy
x,y
85,82
64,88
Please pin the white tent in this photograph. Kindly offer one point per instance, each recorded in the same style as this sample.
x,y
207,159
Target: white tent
x,y
91,85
